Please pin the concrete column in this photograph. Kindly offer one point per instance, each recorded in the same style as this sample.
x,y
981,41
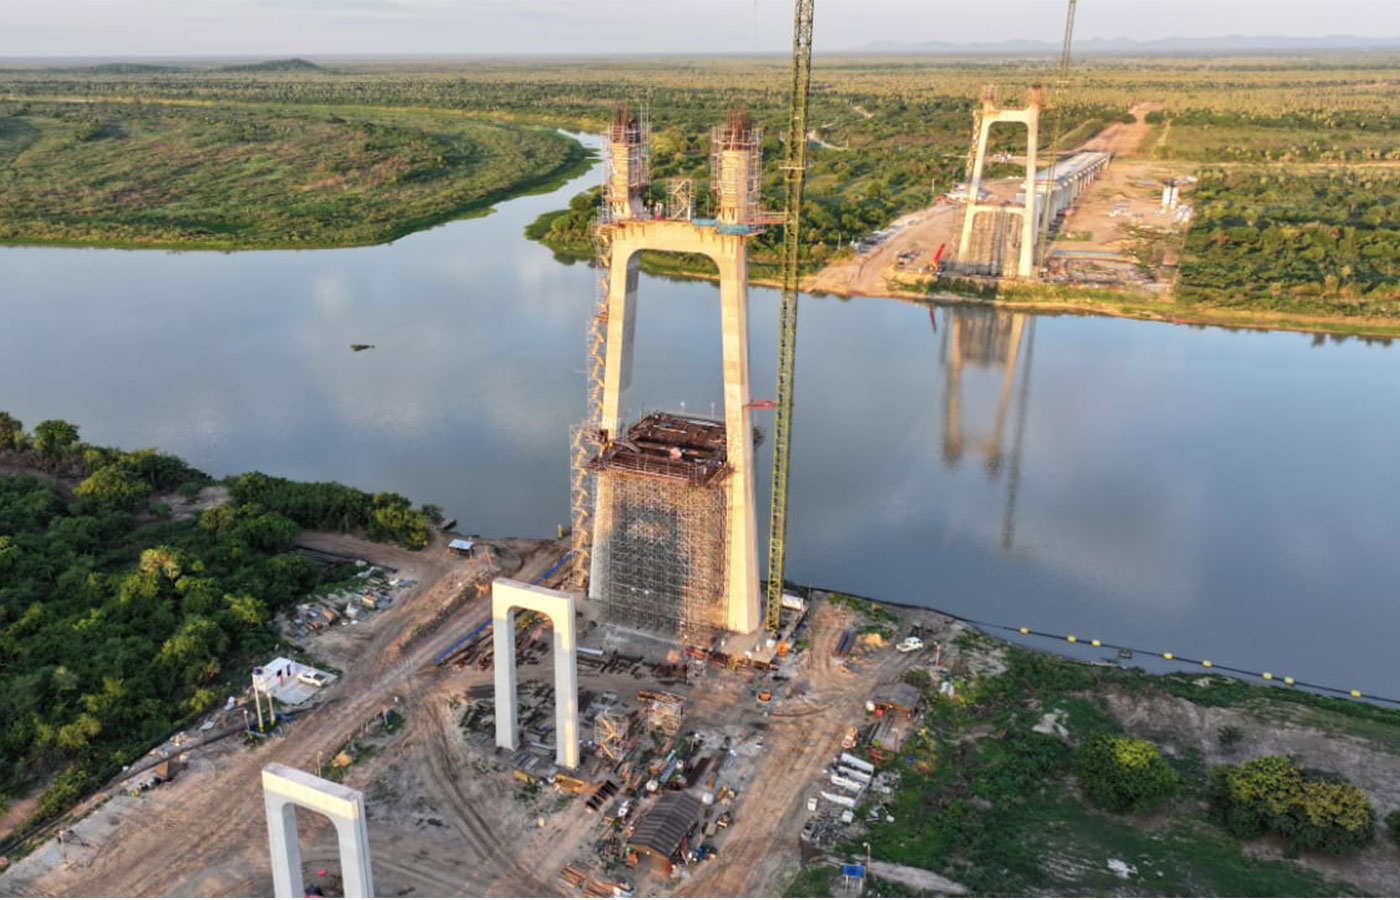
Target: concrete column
x,y
354,865
1027,268
282,845
738,424
600,561
623,268
974,187
565,692
503,651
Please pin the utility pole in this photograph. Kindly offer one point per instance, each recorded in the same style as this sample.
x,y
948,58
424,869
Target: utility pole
x,y
256,703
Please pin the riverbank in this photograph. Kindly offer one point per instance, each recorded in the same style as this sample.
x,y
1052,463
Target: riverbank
x,y
982,791
1054,299
1030,298
986,794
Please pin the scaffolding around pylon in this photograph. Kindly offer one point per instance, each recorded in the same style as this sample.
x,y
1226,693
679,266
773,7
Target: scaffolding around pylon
x,y
626,163
736,169
660,534
585,437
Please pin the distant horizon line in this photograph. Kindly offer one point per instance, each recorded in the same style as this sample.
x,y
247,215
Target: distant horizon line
x,y
1251,44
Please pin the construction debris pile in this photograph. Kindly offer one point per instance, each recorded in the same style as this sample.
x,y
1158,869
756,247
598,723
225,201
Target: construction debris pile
x,y
348,606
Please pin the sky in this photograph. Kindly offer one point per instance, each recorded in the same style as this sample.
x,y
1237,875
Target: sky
x,y
498,27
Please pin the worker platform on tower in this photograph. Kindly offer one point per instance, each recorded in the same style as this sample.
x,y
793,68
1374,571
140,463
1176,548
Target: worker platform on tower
x,y
663,445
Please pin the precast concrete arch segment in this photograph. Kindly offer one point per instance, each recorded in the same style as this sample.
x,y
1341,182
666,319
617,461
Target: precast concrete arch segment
x,y
284,789
507,596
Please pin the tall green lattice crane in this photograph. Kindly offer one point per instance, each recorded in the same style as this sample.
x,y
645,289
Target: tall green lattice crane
x,y
1061,84
794,173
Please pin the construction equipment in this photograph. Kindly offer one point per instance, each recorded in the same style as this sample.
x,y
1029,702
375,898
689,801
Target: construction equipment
x,y
936,262
794,174
1060,85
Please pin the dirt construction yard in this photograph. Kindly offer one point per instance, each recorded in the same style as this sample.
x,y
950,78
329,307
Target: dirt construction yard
x,y
445,815
1116,234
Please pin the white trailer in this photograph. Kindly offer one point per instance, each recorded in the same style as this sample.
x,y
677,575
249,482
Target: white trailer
x,y
847,783
854,774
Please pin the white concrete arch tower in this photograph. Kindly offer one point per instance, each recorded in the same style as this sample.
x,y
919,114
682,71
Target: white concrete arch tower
x,y
630,230
989,113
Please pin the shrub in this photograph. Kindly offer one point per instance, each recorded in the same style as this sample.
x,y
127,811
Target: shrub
x,y
1228,736
1122,773
1392,822
1271,795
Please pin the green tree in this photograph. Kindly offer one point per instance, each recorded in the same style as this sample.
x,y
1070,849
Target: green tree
x,y
246,609
11,432
55,437
113,487
1122,773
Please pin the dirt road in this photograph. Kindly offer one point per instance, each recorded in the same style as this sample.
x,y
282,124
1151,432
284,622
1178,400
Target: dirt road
x,y
1125,138
761,853
868,274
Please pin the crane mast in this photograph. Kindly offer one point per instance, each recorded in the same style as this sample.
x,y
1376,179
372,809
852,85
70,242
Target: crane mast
x,y
794,173
1061,83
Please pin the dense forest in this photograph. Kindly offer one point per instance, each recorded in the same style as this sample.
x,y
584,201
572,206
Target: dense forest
x,y
119,622
1324,242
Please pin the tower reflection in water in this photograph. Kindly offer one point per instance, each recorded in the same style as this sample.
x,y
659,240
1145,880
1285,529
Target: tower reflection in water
x,y
989,340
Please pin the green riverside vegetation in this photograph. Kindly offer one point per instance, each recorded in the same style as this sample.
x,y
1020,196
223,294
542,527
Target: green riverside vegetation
x,y
119,622
255,176
991,797
1322,242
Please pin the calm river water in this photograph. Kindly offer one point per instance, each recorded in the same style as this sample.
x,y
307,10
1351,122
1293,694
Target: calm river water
x,y
1217,494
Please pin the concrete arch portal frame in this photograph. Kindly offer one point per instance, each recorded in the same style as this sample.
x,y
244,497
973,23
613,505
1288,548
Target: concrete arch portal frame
x,y
506,597
989,114
627,240
284,789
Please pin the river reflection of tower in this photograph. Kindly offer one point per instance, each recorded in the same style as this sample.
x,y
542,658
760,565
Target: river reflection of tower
x,y
991,341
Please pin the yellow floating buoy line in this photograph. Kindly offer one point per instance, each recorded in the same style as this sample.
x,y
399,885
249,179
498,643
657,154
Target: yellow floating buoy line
x,y
1169,656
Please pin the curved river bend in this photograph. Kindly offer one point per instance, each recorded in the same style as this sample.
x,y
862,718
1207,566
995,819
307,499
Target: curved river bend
x,y
1218,494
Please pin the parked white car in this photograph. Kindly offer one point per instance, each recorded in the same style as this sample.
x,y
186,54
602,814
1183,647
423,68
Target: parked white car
x,y
910,644
315,679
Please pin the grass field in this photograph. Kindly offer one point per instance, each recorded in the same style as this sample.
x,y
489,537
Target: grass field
x,y
222,175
